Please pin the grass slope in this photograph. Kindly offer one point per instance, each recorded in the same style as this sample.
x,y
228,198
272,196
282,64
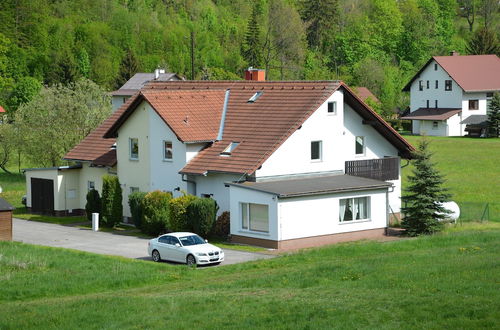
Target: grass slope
x,y
471,167
447,280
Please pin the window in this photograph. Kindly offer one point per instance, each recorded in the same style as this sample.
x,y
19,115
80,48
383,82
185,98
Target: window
x,y
332,108
435,104
134,189
437,84
167,150
447,85
420,85
435,125
360,145
90,185
134,148
473,104
427,84
255,97
316,150
229,149
435,67
427,104
255,217
352,209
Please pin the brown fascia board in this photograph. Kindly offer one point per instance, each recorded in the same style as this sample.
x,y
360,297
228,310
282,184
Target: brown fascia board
x,y
404,147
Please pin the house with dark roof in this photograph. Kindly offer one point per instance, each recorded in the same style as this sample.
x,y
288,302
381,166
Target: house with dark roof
x,y
138,81
297,163
450,95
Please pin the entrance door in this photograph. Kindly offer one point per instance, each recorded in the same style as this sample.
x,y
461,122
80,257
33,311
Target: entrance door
x,y
42,195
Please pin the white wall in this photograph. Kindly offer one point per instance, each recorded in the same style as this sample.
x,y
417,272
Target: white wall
x,y
427,128
69,190
88,173
319,215
243,195
50,174
214,184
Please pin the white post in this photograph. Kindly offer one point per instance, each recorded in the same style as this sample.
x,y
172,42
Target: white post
x,y
95,221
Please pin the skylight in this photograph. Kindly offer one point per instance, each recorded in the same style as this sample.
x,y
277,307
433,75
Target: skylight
x,y
229,149
255,97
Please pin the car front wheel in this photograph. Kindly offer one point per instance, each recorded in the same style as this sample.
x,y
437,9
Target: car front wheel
x,y
190,260
156,256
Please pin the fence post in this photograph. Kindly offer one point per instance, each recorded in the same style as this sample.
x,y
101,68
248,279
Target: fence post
x,y
486,212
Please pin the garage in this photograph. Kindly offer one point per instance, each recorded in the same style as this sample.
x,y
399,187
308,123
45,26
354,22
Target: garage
x,y
42,195
308,211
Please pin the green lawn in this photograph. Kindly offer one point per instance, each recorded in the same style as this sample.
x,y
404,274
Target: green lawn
x,y
448,280
472,169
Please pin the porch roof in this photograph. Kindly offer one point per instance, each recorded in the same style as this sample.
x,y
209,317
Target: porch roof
x,y
475,120
296,187
432,114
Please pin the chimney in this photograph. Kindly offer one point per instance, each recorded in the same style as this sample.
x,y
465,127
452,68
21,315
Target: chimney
x,y
157,74
454,53
255,74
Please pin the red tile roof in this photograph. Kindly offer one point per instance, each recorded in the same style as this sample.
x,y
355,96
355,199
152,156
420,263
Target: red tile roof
x,y
432,114
473,73
259,127
193,115
364,94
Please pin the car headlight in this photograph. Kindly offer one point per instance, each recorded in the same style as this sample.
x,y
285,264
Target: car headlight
x,y
201,254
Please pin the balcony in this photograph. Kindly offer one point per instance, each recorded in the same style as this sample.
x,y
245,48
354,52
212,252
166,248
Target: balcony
x,y
379,169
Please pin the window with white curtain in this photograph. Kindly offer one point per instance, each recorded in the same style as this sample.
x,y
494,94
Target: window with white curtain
x,y
352,209
255,217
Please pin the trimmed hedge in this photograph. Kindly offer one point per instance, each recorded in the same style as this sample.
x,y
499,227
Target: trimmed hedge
x,y
156,215
135,201
178,212
201,214
112,209
93,204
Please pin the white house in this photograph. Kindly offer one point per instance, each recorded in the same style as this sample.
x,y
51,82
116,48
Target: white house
x,y
297,163
450,92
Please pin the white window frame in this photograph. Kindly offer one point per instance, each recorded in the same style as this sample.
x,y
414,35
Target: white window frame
x,y
334,108
130,146
245,218
341,217
435,125
90,185
165,158
363,144
320,151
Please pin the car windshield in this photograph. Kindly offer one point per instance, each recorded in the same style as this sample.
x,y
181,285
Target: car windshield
x,y
191,240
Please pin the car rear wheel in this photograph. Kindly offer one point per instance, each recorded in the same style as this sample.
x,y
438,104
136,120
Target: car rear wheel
x,y
190,260
156,256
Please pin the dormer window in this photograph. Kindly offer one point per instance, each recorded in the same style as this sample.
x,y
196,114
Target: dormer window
x,y
332,108
229,149
255,97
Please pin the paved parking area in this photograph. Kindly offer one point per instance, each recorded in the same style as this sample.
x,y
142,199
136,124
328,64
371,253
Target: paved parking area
x,y
83,239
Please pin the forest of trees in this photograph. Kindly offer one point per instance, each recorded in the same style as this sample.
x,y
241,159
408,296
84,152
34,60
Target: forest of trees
x,y
375,43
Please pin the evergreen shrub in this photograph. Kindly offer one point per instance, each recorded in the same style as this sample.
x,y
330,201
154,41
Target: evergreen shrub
x,y
93,204
156,219
112,209
201,214
135,201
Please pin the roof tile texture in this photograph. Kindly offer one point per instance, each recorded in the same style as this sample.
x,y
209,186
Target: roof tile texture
x,y
432,114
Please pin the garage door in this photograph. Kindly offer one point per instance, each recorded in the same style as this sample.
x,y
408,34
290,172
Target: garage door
x,y
42,195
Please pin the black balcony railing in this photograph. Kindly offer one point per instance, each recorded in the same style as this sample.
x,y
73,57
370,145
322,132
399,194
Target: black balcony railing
x,y
379,169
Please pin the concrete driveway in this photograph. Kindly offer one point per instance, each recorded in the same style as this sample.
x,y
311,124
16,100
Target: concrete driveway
x,y
83,239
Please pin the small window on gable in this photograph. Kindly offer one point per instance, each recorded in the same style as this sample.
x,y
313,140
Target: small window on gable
x,y
435,104
332,108
447,85
420,85
229,149
255,97
167,150
360,145
316,150
435,67
134,148
427,84
427,104
437,84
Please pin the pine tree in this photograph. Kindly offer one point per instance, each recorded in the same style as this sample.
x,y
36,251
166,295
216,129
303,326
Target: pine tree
x,y
424,197
484,41
128,67
252,48
494,116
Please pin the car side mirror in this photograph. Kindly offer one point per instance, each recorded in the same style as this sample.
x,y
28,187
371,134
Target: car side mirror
x,y
177,244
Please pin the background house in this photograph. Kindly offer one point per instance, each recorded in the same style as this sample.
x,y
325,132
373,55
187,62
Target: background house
x,y
293,161
450,92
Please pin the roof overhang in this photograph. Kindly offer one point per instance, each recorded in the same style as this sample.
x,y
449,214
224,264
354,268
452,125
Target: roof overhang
x,y
432,114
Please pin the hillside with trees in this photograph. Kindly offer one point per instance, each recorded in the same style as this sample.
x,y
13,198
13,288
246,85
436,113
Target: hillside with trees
x,y
374,43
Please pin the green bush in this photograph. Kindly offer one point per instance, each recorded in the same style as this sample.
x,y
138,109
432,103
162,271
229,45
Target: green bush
x,y
222,225
155,208
201,213
112,209
93,204
178,212
135,203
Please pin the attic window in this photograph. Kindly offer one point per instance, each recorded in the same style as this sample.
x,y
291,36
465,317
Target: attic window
x,y
255,97
229,149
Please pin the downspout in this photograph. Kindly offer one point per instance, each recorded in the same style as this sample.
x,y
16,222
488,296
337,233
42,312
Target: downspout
x,y
223,117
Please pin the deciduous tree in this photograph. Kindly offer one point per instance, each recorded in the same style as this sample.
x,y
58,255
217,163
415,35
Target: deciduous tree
x,y
483,41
